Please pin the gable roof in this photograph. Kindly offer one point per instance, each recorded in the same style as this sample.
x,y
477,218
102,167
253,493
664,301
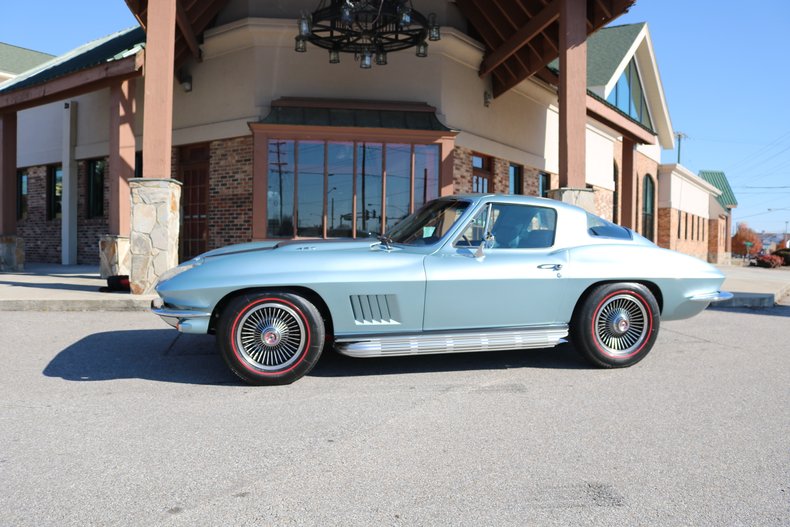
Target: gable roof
x,y
16,60
107,49
606,50
718,179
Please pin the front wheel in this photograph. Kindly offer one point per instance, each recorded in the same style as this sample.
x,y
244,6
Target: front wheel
x,y
270,338
616,325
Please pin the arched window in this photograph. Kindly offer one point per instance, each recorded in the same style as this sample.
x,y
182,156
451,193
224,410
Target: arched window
x,y
648,207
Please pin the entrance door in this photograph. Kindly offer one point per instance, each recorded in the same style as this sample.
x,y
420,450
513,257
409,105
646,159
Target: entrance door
x,y
193,168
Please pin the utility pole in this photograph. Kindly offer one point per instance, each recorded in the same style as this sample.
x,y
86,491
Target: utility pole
x,y
680,137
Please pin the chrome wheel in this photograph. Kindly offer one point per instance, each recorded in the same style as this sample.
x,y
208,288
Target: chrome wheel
x,y
270,336
621,325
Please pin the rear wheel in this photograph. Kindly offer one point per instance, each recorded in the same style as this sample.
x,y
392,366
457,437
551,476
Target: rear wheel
x,y
616,325
270,338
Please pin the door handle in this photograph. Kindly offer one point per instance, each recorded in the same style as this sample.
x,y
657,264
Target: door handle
x,y
553,267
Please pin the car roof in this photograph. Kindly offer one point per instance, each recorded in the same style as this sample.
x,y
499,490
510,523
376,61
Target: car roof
x,y
515,198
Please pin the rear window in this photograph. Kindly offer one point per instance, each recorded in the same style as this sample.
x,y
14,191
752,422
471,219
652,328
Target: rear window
x,y
599,227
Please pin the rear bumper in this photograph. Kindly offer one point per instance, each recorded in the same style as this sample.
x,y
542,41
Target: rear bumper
x,y
184,320
716,296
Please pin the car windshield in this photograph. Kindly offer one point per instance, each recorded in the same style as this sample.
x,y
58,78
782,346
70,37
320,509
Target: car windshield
x,y
429,224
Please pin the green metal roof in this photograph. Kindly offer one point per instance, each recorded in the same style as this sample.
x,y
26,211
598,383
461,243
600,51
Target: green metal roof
x,y
14,59
606,49
359,118
108,49
718,179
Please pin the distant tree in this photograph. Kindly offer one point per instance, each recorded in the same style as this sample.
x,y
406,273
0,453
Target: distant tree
x,y
744,234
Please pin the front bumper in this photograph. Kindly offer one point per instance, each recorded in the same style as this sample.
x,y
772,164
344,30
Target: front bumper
x,y
184,320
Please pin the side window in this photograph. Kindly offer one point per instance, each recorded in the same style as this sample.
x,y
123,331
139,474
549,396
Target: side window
x,y
513,227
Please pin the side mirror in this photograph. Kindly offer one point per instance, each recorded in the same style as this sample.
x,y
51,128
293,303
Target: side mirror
x,y
487,243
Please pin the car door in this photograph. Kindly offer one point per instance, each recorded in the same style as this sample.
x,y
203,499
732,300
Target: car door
x,y
501,271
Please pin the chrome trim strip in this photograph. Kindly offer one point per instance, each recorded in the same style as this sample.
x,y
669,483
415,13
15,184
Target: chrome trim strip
x,y
447,342
716,296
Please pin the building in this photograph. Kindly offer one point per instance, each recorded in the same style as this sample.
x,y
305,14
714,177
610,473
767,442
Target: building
x,y
267,142
720,242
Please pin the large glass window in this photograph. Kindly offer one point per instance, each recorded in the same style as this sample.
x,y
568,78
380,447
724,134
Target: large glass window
x,y
54,192
310,184
95,192
21,195
340,193
320,185
369,172
282,171
628,96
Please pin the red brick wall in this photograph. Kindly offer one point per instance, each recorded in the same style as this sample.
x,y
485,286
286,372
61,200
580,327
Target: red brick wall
x,y
462,170
230,192
90,230
42,236
501,176
695,233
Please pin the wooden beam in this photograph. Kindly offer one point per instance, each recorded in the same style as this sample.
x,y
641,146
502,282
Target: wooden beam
x,y
186,30
77,83
573,93
521,37
8,179
610,117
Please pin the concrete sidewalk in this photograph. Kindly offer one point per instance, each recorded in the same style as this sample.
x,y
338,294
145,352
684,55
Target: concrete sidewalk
x,y
48,287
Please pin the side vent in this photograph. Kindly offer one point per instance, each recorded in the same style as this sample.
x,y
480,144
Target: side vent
x,y
374,309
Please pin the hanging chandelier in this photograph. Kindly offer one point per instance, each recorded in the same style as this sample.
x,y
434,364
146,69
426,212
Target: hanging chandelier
x,y
370,29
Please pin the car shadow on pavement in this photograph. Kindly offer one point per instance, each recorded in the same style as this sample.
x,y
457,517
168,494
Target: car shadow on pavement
x,y
159,355
167,356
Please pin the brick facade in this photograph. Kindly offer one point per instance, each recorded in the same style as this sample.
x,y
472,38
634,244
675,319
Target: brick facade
x,y
41,235
230,192
717,241
500,176
683,232
90,230
462,170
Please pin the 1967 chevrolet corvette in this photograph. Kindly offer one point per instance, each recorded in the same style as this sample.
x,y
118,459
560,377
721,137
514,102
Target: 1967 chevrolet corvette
x,y
465,273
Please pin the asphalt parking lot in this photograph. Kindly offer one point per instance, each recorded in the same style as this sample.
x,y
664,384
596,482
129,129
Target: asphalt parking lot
x,y
115,419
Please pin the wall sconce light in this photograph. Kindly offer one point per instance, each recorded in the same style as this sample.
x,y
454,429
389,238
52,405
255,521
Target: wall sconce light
x,y
185,80
487,98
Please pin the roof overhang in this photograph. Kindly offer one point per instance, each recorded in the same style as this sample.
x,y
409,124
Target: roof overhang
x,y
192,19
71,85
522,36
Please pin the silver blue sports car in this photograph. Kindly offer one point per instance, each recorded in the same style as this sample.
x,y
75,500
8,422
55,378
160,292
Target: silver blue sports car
x,y
466,273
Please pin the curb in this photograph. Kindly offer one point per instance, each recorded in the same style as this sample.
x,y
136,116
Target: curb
x,y
758,300
126,303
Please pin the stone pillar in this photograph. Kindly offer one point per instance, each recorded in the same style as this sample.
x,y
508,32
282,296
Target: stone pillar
x,y
581,197
114,255
12,253
154,231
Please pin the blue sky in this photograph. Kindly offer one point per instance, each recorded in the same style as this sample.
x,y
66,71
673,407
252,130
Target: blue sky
x,y
725,70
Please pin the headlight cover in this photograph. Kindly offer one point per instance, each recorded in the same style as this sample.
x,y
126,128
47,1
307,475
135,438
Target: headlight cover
x,y
186,266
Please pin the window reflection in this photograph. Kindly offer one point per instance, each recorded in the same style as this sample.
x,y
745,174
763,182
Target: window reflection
x,y
426,174
315,187
310,180
398,183
281,188
340,193
369,188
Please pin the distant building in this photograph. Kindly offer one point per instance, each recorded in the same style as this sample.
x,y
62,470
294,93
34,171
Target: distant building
x,y
720,242
15,60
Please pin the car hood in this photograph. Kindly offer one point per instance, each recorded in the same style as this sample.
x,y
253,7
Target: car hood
x,y
293,246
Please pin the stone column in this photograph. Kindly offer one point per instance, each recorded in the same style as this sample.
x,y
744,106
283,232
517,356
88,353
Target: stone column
x,y
154,231
12,253
581,197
